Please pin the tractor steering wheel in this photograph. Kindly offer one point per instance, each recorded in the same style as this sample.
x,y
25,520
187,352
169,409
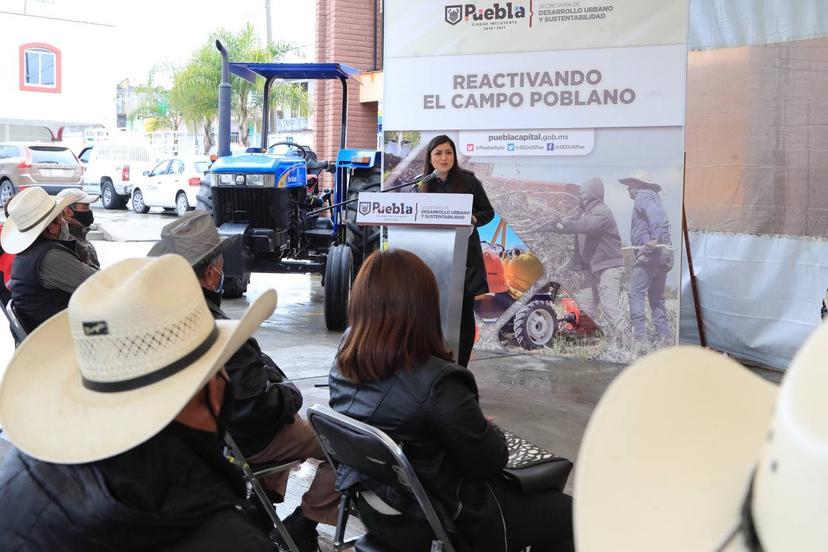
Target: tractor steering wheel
x,y
302,149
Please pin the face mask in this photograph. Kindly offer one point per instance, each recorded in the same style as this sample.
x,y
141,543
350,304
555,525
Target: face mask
x,y
223,417
86,218
64,232
220,287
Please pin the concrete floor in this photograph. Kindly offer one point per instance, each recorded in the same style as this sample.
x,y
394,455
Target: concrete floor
x,y
543,399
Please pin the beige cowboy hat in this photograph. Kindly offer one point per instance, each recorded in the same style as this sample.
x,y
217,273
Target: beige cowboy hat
x,y
111,371
30,212
78,195
193,236
688,450
641,178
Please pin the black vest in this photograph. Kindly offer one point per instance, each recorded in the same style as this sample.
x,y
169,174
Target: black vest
x,y
34,303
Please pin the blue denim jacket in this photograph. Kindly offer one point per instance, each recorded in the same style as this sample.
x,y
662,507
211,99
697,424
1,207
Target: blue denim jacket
x,y
649,221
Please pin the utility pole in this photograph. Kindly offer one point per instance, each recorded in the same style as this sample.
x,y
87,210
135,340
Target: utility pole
x,y
267,20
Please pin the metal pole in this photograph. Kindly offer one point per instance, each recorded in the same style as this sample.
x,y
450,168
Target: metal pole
x,y
266,112
267,19
693,286
343,132
224,97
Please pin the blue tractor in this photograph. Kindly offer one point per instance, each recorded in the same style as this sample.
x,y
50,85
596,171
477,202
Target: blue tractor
x,y
270,196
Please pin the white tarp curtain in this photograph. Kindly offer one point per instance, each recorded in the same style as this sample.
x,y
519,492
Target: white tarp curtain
x,y
757,144
729,23
760,295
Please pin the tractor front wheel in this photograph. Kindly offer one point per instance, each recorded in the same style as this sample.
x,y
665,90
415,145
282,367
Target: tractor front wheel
x,y
339,273
236,286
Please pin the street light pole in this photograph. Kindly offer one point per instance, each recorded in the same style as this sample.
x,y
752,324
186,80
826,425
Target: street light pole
x,y
267,20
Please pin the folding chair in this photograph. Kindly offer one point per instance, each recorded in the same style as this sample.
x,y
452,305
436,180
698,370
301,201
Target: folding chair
x,y
251,477
14,323
371,452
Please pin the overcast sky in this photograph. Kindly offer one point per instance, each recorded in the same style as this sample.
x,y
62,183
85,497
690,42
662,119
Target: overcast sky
x,y
153,31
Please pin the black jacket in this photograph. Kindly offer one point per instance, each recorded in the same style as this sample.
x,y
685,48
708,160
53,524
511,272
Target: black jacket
x,y
173,492
263,398
35,303
433,411
462,181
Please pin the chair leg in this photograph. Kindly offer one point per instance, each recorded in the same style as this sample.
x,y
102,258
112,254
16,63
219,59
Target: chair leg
x,y
271,511
341,523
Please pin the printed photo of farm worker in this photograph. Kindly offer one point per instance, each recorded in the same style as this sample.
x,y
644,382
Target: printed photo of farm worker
x,y
597,252
650,238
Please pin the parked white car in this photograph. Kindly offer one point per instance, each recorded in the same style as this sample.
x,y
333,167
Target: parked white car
x,y
172,183
112,168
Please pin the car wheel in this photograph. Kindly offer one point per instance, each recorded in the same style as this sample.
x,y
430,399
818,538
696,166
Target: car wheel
x,y
181,204
6,192
109,197
535,325
138,204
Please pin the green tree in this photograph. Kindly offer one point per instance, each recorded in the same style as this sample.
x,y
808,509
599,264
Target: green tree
x,y
195,88
155,103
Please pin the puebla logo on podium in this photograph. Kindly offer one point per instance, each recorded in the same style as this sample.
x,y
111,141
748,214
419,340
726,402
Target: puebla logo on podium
x,y
454,14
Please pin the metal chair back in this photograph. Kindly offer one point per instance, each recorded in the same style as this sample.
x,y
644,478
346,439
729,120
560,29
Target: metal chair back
x,y
373,453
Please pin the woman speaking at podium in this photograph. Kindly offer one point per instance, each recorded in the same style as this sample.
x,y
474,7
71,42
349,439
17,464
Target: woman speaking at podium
x,y
451,179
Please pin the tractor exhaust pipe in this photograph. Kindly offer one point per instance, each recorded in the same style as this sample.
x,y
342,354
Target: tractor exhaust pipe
x,y
224,97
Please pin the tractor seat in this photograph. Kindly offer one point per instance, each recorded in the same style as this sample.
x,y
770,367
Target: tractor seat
x,y
323,223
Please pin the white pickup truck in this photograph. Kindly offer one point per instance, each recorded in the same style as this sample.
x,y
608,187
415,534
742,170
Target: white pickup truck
x,y
112,169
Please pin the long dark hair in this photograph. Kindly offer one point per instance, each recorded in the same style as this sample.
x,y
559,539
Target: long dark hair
x,y
394,312
428,168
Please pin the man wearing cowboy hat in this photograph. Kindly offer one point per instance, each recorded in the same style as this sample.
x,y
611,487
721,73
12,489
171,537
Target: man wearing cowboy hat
x,y
264,421
47,268
116,407
687,450
79,217
650,235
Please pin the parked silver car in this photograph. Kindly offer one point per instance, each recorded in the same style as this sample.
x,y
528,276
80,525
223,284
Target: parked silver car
x,y
49,166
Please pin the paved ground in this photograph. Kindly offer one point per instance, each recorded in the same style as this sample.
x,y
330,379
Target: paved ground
x,y
545,400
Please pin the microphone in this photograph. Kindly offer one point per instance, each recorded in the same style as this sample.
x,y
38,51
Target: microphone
x,y
423,178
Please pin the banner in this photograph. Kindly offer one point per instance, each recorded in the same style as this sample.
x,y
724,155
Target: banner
x,y
571,114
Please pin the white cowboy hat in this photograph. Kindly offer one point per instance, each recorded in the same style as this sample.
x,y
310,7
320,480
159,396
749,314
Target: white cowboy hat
x,y
111,371
641,178
78,195
193,236
30,212
680,438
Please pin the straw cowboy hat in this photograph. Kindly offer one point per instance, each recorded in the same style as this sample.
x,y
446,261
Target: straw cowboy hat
x,y
641,178
30,212
688,450
79,195
193,236
111,371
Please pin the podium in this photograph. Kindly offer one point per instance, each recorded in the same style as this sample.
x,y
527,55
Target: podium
x,y
436,228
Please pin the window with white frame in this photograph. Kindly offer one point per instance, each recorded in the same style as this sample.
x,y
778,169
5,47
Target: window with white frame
x,y
40,67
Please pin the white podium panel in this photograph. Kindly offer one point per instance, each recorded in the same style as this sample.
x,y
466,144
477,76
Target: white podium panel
x,y
436,228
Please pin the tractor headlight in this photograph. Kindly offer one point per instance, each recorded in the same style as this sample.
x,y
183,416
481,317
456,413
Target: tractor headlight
x,y
255,180
225,179
239,180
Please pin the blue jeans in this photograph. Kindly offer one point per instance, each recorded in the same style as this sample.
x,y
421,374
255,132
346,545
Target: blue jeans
x,y
649,277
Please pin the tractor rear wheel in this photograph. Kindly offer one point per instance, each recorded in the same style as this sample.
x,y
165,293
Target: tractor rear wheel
x,y
366,180
536,325
339,272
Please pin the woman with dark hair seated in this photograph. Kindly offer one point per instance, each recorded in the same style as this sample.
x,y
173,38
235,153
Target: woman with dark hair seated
x,y
393,371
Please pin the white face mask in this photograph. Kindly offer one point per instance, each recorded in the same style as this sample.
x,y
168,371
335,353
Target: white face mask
x,y
64,232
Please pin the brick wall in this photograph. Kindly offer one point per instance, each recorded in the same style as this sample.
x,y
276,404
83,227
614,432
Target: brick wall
x,y
345,34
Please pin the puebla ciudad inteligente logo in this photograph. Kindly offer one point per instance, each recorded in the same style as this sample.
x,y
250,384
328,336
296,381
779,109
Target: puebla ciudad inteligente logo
x,y
497,12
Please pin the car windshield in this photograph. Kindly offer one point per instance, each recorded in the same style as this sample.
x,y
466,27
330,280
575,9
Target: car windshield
x,y
47,154
201,166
